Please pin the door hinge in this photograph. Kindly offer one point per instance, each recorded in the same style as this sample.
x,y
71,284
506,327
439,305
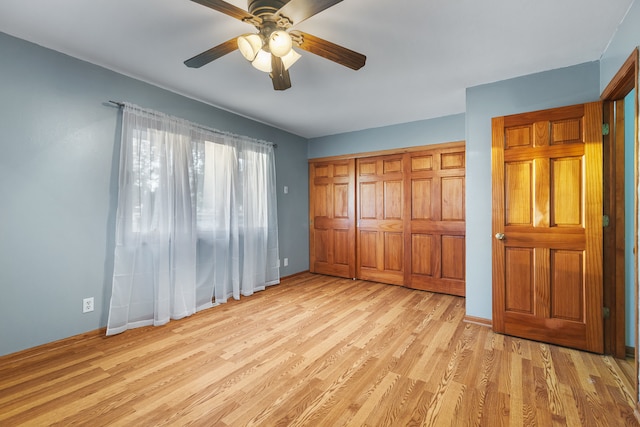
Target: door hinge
x,y
605,220
606,313
605,129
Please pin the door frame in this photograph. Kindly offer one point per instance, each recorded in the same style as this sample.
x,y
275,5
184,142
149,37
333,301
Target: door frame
x,y
625,80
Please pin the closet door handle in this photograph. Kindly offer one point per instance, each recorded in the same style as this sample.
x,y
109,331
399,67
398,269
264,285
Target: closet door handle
x,y
500,236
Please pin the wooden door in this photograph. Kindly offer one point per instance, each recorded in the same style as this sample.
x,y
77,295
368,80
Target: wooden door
x,y
435,227
547,226
332,248
380,210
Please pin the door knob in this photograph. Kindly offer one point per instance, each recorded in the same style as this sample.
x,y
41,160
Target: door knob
x,y
500,236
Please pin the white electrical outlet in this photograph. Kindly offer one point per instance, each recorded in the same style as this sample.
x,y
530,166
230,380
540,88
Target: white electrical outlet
x,y
286,190
286,262
87,305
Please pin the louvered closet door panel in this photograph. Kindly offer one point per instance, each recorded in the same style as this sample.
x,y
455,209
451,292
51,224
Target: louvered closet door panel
x,y
435,227
380,209
332,218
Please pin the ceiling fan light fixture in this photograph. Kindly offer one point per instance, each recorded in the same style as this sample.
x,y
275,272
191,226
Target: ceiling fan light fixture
x,y
249,45
262,61
280,43
271,49
290,58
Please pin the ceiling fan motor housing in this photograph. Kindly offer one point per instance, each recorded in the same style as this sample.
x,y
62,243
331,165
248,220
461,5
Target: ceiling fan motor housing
x,y
263,7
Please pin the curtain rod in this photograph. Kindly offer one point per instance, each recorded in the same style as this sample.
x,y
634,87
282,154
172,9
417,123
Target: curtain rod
x,y
122,104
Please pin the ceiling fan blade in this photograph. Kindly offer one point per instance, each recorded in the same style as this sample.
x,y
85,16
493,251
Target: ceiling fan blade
x,y
279,75
214,53
229,9
299,10
331,51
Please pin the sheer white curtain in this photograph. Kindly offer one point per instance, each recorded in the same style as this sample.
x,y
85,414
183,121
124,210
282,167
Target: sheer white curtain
x,y
196,221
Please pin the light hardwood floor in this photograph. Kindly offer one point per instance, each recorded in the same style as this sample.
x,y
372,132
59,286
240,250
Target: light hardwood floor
x,y
316,351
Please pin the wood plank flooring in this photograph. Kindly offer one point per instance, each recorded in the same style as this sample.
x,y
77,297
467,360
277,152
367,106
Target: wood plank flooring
x,y
315,351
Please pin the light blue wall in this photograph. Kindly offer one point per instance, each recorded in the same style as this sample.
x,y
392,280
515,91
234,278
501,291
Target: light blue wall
x,y
626,38
58,174
629,200
412,134
555,88
58,186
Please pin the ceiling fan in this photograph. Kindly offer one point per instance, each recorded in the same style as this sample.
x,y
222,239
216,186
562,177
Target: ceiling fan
x,y
271,49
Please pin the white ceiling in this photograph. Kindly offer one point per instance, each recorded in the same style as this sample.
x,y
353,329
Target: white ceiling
x,y
421,54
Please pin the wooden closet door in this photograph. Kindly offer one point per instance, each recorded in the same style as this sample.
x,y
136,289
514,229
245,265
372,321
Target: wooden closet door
x,y
380,212
435,226
332,248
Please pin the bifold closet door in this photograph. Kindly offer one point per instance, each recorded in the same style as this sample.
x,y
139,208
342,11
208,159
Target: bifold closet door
x,y
380,225
396,218
332,239
435,226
